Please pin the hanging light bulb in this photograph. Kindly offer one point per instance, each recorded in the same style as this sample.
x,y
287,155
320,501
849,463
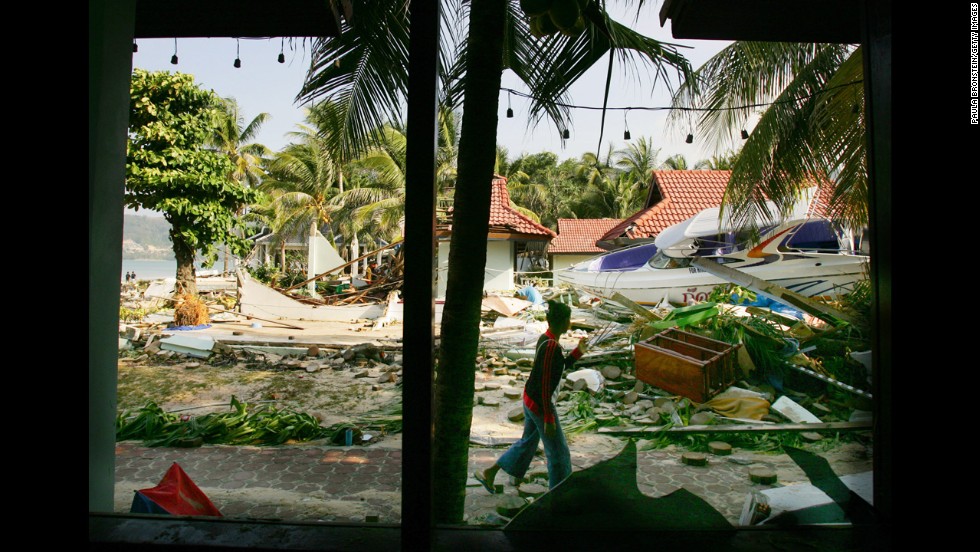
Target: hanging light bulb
x,y
135,48
282,56
626,133
173,58
238,49
565,134
510,112
745,135
689,139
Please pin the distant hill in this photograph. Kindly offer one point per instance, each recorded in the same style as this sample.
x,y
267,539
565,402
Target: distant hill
x,y
146,237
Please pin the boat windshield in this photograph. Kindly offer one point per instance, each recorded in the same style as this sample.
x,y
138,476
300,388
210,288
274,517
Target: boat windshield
x,y
814,235
663,261
624,259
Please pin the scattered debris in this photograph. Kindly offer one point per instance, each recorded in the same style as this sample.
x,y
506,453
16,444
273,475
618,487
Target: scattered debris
x,y
199,346
793,411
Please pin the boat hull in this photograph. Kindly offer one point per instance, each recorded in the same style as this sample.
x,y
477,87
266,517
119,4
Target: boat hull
x,y
818,276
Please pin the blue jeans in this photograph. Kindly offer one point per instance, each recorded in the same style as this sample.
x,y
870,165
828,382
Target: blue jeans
x,y
516,460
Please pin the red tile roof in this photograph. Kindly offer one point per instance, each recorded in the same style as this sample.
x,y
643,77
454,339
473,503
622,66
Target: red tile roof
x,y
685,194
580,235
503,216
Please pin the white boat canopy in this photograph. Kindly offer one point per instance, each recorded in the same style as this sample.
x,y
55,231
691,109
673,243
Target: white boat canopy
x,y
709,222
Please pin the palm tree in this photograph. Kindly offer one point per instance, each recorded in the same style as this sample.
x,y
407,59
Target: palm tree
x,y
306,178
811,127
376,210
637,160
675,163
234,138
723,162
364,72
277,214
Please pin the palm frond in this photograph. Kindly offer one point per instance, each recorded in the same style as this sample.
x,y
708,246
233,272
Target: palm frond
x,y
361,73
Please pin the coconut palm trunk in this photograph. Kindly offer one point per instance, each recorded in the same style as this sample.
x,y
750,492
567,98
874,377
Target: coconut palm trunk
x,y
453,399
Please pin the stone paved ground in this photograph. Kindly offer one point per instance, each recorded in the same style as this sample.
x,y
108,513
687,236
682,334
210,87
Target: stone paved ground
x,y
353,484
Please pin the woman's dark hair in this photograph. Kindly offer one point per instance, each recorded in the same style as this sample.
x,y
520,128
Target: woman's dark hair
x,y
558,313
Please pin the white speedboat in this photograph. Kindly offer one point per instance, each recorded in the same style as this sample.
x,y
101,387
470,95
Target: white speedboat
x,y
807,255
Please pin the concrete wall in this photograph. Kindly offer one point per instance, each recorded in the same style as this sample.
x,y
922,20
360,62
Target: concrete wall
x,y
561,261
499,272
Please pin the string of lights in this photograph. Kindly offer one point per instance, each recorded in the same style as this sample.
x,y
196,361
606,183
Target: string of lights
x,y
682,108
238,61
690,137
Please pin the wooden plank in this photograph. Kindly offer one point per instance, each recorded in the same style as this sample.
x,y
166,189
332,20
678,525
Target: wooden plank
x,y
750,428
634,306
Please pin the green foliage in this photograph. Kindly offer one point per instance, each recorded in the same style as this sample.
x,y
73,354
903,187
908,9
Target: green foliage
x,y
265,425
683,317
168,169
266,273
131,315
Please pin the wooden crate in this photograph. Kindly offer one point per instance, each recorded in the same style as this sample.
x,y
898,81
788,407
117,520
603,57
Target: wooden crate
x,y
686,364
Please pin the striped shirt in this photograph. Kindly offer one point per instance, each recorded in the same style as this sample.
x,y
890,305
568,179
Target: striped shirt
x,y
549,364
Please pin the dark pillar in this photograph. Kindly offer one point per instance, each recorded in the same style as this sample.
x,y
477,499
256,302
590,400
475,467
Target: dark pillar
x,y
877,43
420,264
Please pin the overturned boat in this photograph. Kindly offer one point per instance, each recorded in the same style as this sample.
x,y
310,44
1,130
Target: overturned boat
x,y
805,254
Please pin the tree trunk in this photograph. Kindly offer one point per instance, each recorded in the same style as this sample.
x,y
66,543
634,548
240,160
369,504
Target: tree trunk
x,y
186,277
453,397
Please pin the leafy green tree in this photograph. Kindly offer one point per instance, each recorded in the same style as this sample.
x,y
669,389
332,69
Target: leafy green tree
x,y
365,72
813,125
169,169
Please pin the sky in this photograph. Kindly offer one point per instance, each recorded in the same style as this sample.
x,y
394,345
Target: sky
x,y
262,84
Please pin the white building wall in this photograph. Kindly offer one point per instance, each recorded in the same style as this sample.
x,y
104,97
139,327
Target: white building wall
x,y
564,261
499,273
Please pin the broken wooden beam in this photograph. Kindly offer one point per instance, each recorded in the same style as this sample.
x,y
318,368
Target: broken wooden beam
x,y
634,306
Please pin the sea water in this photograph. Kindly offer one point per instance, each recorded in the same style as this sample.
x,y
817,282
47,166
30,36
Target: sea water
x,y
156,269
